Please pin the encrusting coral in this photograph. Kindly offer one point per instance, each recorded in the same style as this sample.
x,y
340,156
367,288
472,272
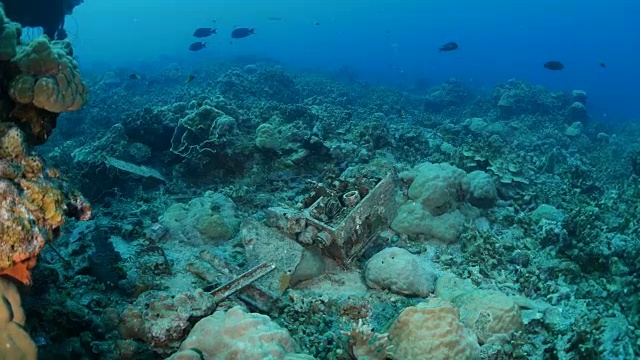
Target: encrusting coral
x,y
41,80
33,204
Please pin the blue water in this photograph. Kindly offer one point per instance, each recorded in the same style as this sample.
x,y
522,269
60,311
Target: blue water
x,y
389,42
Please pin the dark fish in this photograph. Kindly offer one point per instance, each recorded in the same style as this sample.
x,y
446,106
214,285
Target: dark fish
x,y
553,65
274,18
135,76
204,32
317,23
450,46
602,65
190,78
240,33
197,46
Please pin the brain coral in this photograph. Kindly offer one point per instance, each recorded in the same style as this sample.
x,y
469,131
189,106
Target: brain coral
x,y
431,331
237,334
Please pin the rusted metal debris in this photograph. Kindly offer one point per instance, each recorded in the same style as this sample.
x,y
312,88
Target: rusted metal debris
x,y
241,284
241,281
343,222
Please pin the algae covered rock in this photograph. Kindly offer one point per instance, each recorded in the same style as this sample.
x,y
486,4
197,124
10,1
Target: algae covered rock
x,y
207,219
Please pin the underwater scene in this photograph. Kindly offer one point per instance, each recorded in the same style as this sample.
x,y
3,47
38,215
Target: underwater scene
x,y
331,180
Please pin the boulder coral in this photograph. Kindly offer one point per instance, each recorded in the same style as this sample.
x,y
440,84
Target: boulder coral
x,y
432,330
238,334
15,343
487,312
49,78
437,206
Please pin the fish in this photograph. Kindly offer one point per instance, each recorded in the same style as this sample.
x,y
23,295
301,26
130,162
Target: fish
x,y
204,32
602,65
197,46
190,78
553,65
274,18
135,76
242,32
317,23
450,46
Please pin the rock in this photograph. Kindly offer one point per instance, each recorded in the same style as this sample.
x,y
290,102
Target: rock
x,y
574,130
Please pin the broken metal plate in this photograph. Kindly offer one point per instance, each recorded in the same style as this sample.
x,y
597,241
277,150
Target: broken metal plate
x,y
244,283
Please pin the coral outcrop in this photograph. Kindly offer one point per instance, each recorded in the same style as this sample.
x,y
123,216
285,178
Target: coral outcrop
x,y
401,272
238,334
432,330
33,204
487,312
437,206
42,80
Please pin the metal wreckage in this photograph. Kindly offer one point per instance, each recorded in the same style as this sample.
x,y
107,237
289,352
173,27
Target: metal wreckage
x,y
332,227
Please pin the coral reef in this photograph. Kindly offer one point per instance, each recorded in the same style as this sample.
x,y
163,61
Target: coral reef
x,y
523,217
42,80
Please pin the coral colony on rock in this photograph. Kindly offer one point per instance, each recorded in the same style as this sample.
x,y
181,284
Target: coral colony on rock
x,y
256,211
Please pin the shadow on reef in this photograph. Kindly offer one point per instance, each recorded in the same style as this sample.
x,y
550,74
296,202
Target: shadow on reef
x,y
47,14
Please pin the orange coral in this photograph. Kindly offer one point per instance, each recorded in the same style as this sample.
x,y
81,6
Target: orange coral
x,y
21,271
